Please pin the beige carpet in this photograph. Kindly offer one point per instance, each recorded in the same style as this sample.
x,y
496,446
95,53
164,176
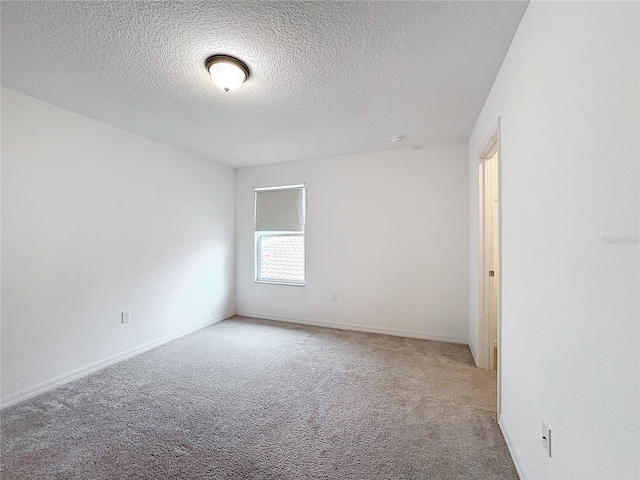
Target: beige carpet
x,y
250,399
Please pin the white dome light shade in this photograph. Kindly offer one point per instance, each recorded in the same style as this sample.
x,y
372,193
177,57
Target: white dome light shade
x,y
227,72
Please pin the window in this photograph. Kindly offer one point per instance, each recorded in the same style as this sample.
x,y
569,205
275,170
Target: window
x,y
279,234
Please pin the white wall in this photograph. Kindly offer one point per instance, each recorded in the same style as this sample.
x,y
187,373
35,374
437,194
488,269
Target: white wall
x,y
567,95
96,220
386,231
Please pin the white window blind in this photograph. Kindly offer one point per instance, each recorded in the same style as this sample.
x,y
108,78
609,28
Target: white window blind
x,y
280,210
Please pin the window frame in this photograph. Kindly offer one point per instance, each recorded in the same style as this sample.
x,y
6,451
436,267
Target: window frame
x,y
258,258
258,235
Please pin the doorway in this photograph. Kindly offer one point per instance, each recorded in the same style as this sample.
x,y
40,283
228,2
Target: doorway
x,y
489,255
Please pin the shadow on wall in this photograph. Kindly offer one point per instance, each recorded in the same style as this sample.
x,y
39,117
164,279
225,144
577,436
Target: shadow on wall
x,y
204,281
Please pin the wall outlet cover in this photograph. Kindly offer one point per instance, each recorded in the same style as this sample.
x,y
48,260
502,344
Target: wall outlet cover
x,y
546,437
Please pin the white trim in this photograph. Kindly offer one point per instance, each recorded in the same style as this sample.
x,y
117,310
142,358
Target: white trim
x,y
397,332
280,282
515,456
488,144
491,144
60,380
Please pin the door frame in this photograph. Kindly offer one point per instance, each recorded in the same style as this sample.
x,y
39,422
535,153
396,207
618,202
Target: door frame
x,y
491,144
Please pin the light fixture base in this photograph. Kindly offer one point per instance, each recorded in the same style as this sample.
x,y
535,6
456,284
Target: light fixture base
x,y
227,58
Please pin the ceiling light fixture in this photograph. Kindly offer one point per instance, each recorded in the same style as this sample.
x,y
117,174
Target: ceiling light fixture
x,y
227,72
397,138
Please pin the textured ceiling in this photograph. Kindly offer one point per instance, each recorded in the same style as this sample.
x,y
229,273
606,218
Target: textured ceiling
x,y
328,78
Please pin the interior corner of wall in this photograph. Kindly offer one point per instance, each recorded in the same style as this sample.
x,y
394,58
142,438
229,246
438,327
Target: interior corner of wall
x,y
473,354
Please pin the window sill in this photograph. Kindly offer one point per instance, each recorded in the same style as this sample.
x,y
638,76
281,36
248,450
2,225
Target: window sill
x,y
279,282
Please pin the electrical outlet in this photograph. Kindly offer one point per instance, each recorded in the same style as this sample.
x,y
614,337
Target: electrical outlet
x,y
546,437
334,297
125,316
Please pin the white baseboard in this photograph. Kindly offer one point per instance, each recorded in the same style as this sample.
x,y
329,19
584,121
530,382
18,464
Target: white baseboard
x,y
60,380
397,332
522,472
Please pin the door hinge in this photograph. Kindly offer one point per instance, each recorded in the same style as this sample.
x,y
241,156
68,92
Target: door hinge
x,y
492,273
